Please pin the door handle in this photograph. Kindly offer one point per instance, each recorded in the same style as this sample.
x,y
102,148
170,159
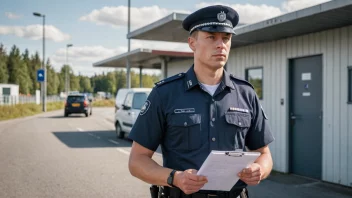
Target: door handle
x,y
293,117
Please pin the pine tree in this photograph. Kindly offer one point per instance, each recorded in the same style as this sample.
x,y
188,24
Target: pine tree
x,y
4,75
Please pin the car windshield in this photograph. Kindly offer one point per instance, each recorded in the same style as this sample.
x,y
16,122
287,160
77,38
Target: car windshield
x,y
139,99
71,99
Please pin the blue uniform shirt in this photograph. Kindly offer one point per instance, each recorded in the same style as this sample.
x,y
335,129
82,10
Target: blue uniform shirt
x,y
182,117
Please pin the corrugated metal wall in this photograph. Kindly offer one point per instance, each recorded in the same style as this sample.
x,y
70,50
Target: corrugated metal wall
x,y
336,47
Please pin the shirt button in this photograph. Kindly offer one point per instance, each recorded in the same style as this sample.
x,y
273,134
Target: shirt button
x,y
185,123
213,119
213,100
240,123
213,139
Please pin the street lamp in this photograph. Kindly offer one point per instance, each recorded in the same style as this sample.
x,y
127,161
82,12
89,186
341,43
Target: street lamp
x,y
43,87
66,75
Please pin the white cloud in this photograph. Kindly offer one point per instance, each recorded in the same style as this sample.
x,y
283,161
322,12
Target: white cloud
x,y
249,13
35,32
117,16
11,15
82,58
293,5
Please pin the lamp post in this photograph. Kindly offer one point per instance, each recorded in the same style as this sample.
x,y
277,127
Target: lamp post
x,y
66,75
43,85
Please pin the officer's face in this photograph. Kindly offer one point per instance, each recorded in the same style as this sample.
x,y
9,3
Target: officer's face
x,y
211,49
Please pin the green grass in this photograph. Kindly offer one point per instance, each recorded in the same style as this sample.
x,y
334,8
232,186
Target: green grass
x,y
103,103
23,110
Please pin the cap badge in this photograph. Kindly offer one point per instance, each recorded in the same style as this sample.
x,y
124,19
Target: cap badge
x,y
221,16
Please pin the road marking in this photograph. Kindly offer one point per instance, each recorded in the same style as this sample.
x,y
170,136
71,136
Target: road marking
x,y
91,134
79,129
123,151
113,141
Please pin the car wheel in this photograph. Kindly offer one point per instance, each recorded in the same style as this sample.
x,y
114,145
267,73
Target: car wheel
x,y
119,133
66,114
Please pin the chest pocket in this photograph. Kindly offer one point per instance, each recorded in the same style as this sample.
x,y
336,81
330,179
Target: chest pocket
x,y
237,128
184,131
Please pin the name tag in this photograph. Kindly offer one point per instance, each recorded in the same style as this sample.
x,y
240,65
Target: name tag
x,y
188,110
239,110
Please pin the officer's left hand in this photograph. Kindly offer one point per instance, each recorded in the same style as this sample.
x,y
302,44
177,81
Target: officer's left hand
x,y
251,175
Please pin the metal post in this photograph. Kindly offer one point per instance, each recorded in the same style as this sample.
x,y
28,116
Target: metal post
x,y
66,90
128,77
67,84
45,73
140,76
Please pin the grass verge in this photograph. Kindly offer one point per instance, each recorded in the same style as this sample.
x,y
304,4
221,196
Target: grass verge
x,y
103,103
23,110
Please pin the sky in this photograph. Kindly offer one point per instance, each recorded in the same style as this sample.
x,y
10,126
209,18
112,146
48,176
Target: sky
x,y
97,28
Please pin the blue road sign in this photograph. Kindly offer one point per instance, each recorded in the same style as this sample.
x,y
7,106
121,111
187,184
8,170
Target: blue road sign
x,y
40,75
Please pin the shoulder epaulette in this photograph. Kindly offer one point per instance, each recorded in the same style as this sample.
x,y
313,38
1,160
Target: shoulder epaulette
x,y
242,80
170,79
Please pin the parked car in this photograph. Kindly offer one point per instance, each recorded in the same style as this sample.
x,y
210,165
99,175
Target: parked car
x,y
78,103
120,98
129,110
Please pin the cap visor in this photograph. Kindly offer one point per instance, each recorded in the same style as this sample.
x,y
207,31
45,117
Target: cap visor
x,y
217,29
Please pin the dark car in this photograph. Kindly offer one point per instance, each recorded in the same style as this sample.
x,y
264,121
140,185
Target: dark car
x,y
78,103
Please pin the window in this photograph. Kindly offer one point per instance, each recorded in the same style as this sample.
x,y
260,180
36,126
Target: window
x,y
255,77
139,100
72,99
350,84
128,100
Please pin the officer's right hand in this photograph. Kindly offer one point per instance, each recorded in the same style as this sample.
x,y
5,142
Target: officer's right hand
x,y
188,181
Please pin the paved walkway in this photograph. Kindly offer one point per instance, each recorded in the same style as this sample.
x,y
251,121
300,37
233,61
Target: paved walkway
x,y
279,185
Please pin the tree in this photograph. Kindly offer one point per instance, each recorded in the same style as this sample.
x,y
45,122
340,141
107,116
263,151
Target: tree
x,y
4,75
53,80
18,71
34,65
111,82
85,85
74,82
120,80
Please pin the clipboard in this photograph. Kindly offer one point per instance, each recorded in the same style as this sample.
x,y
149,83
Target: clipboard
x,y
221,168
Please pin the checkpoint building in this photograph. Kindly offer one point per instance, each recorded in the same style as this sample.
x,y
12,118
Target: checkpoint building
x,y
300,64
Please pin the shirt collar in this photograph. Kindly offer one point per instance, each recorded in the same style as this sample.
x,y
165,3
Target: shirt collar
x,y
191,79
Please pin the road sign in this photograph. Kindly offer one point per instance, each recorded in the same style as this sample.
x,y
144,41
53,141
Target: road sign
x,y
40,75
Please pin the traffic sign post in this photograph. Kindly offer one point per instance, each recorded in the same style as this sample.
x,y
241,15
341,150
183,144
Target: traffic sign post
x,y
40,75
41,78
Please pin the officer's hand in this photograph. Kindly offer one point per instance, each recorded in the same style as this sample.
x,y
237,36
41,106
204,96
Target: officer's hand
x,y
188,181
251,175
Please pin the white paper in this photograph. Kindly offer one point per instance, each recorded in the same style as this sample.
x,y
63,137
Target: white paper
x,y
306,76
221,169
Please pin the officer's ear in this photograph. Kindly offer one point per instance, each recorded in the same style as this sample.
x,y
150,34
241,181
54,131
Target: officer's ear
x,y
192,39
191,43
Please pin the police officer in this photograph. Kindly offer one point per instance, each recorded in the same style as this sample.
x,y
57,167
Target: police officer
x,y
204,109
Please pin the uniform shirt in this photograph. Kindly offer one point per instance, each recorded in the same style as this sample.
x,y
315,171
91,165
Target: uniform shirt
x,y
187,122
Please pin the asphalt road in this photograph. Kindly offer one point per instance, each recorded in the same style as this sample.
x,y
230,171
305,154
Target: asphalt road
x,y
53,156
49,155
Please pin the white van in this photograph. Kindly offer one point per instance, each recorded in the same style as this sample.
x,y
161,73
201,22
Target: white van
x,y
128,110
